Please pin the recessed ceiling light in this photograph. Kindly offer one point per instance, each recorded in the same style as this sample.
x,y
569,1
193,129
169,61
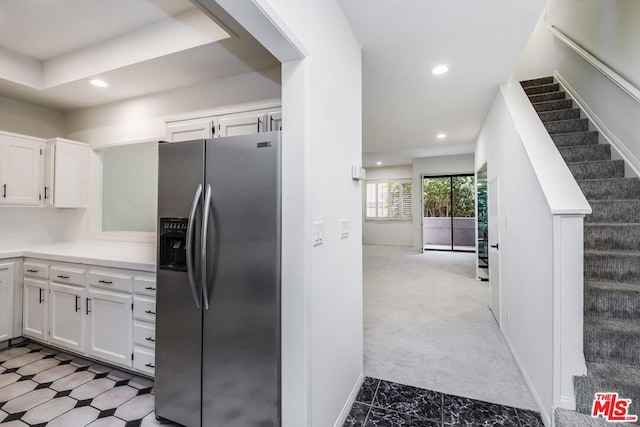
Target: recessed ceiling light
x,y
441,135
440,69
379,163
99,83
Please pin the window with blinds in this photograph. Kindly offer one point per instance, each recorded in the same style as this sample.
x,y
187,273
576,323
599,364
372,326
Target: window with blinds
x,y
390,199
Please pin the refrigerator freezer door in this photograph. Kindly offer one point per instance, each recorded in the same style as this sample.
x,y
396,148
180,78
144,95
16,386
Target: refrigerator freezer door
x,y
241,328
178,321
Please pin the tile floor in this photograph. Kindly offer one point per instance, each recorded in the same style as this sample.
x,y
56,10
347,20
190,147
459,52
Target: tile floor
x,y
42,386
386,404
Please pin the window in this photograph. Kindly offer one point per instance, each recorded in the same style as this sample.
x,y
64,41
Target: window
x,y
388,199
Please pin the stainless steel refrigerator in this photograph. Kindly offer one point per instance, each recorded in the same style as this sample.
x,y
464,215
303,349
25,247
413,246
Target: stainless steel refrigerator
x,y
218,297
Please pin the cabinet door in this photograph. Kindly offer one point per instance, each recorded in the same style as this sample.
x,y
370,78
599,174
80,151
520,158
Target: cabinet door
x,y
66,319
34,309
190,130
6,301
20,172
275,120
242,124
71,174
109,327
49,161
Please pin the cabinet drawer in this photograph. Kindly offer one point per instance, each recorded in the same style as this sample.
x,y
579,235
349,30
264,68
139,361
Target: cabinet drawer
x,y
116,282
32,269
144,286
67,275
144,360
144,334
144,309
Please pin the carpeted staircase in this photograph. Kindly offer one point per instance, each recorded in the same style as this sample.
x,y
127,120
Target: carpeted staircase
x,y
611,254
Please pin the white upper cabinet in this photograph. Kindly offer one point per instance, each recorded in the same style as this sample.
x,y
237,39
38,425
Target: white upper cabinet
x,y
48,176
69,188
189,130
20,171
227,123
242,123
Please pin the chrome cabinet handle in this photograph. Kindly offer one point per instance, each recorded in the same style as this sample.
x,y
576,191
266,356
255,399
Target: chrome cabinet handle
x,y
189,245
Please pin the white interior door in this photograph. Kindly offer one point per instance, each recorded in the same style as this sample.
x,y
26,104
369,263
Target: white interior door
x,y
494,248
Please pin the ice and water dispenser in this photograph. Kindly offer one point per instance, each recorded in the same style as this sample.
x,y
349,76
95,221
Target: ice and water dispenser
x,y
173,241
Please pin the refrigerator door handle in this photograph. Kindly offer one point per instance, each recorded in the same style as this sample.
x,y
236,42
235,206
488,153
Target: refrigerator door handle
x,y
189,245
205,233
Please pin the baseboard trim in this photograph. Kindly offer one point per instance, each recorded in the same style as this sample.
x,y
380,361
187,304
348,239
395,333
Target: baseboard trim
x,y
613,140
349,403
546,418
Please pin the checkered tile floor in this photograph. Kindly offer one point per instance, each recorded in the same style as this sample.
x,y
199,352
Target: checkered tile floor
x,y
41,386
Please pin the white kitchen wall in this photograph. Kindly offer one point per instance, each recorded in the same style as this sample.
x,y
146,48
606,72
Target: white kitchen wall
x,y
375,232
143,117
434,166
29,119
608,30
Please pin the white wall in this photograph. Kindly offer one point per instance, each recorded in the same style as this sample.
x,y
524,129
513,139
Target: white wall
x,y
29,119
377,232
526,266
143,117
610,31
434,166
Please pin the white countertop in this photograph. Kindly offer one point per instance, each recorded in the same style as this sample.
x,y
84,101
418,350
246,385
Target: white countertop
x,y
141,258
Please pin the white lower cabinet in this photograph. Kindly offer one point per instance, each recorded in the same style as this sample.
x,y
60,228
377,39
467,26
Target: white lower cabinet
x,y
89,310
34,309
7,274
110,326
66,319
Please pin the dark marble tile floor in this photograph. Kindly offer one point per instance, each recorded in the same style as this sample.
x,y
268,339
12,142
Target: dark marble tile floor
x,y
387,404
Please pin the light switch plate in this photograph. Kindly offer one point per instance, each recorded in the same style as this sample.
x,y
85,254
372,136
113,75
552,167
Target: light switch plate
x,y
318,231
344,228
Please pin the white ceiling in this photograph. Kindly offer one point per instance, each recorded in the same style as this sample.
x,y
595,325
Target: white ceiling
x,y
50,49
404,105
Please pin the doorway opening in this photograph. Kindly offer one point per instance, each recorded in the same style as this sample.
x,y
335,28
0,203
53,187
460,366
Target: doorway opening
x,y
448,213
483,224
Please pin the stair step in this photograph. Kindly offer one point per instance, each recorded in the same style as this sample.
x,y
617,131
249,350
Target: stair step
x,y
612,301
606,189
614,211
610,266
619,236
556,115
625,380
597,169
586,153
535,90
562,104
609,341
544,97
568,418
575,138
536,82
567,126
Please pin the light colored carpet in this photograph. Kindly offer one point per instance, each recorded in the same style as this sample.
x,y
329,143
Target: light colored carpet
x,y
427,324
